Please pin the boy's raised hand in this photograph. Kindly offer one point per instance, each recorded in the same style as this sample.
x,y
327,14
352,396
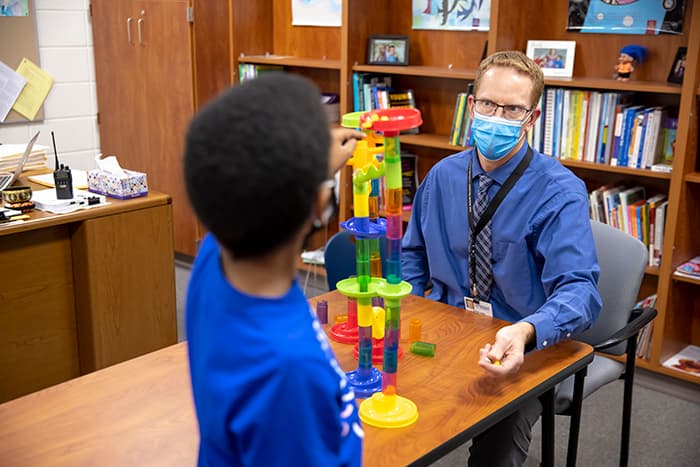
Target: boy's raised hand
x,y
343,142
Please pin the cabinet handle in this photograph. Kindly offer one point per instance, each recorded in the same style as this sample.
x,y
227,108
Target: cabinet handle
x,y
138,27
128,30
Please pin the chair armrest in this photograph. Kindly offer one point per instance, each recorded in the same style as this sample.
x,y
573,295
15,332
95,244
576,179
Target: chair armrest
x,y
639,318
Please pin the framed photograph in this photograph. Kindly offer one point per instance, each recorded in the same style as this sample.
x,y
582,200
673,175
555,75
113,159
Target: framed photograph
x,y
678,68
555,57
387,50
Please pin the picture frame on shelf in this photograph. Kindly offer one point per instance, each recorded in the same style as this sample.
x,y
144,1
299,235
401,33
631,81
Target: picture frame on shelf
x,y
383,49
678,67
556,58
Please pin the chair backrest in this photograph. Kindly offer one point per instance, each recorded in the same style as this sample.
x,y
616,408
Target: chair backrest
x,y
623,260
340,259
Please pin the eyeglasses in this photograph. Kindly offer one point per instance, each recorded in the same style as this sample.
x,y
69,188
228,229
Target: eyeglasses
x,y
510,112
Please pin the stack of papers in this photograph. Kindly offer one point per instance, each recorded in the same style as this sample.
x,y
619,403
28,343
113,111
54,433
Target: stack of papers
x,y
46,201
11,155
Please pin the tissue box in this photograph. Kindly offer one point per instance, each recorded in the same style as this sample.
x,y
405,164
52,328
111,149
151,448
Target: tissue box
x,y
133,185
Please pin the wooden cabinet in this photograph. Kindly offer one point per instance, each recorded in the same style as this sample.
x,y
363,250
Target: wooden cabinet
x,y
88,289
442,63
156,62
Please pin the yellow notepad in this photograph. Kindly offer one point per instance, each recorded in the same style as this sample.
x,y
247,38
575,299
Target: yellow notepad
x,y
79,179
35,91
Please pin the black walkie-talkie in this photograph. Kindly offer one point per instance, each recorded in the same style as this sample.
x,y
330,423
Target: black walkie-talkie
x,y
62,178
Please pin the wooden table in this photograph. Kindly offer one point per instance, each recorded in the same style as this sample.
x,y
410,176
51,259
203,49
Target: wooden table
x,y
140,412
455,399
84,290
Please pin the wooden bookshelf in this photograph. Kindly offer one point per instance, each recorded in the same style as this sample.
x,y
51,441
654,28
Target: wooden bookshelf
x,y
284,60
608,84
688,280
425,71
613,169
442,63
693,177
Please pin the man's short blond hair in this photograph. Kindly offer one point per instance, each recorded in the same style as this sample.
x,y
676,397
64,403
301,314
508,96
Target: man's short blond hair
x,y
519,62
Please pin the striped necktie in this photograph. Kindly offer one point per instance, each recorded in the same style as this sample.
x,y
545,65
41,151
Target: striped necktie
x,y
484,274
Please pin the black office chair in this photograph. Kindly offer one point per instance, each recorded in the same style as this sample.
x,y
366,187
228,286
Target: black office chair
x,y
623,260
340,259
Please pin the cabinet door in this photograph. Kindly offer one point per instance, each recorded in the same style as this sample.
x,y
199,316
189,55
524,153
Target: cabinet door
x,y
168,98
119,85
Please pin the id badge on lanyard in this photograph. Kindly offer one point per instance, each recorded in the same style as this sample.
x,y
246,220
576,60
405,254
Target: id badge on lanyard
x,y
478,306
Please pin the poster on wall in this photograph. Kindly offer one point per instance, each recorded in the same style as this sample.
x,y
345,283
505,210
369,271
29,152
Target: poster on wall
x,y
317,12
649,17
14,7
455,15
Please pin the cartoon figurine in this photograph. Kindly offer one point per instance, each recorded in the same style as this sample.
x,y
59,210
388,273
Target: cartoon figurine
x,y
629,55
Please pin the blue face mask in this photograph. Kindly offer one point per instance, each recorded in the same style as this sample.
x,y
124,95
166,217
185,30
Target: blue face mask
x,y
495,136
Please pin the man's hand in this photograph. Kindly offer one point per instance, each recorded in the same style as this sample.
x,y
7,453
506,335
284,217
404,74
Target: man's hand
x,y
343,142
506,355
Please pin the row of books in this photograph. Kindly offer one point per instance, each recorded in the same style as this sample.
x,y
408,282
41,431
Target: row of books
x,y
248,71
645,334
372,92
629,210
604,128
460,134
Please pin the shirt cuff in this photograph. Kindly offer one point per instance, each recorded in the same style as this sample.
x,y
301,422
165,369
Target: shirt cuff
x,y
546,332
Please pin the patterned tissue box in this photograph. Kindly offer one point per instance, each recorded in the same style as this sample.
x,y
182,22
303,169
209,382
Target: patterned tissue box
x,y
115,186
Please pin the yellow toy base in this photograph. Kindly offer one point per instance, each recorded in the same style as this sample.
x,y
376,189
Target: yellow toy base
x,y
388,411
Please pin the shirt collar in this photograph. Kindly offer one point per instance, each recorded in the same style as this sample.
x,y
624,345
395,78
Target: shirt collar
x,y
501,174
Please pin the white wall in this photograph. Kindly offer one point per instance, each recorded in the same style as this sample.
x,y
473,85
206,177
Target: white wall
x,y
64,37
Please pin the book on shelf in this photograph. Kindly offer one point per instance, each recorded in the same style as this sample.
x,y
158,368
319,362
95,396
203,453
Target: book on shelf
x,y
655,232
669,126
402,99
535,134
645,334
628,198
592,135
547,120
461,110
409,178
690,268
659,228
460,132
662,167
687,360
248,71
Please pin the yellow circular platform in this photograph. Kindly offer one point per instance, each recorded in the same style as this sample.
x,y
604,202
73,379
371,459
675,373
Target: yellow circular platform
x,y
388,411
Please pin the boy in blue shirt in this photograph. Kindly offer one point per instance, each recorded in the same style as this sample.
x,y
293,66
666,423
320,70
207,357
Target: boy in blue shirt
x,y
267,387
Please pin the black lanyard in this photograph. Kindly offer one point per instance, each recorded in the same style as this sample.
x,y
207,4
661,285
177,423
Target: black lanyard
x,y
490,210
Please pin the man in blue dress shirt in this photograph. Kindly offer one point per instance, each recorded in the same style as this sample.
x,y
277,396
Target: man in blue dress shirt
x,y
531,260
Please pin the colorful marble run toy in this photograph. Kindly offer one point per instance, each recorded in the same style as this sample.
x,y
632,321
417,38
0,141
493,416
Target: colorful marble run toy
x,y
360,290
386,408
